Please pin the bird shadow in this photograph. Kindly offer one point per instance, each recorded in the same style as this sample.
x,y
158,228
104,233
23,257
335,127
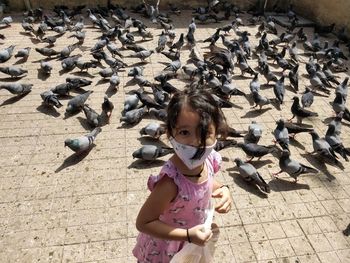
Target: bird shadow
x,y
295,143
145,140
64,71
70,114
276,104
83,74
110,91
140,63
13,99
281,185
73,159
48,110
328,120
34,40
11,79
143,164
20,61
251,188
83,122
42,75
321,166
102,81
255,113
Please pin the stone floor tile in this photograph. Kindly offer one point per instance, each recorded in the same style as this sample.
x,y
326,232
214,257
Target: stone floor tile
x,y
249,216
330,256
243,252
309,226
337,240
291,228
344,255
311,258
263,250
274,230
255,232
301,245
319,242
282,247
326,224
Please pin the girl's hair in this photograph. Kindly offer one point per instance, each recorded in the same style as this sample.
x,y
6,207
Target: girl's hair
x,y
204,104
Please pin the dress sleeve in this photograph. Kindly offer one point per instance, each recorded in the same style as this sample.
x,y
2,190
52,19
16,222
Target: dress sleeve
x,y
167,170
216,160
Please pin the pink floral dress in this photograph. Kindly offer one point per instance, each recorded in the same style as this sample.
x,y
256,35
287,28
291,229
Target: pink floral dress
x,y
186,211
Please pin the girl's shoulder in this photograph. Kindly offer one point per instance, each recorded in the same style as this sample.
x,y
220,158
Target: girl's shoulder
x,y
168,170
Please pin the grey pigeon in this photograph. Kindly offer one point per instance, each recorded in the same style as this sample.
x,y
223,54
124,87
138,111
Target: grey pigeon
x,y
281,134
161,42
62,89
107,107
151,152
260,100
91,115
254,133
254,85
160,114
106,72
224,144
78,82
83,143
342,88
142,54
294,78
279,90
335,142
250,174
45,67
48,52
13,71
65,52
5,54
337,124
323,149
70,62
300,112
85,65
339,106
134,116
77,103
114,81
255,150
153,129
131,102
50,99
293,167
7,20
17,88
23,53
307,98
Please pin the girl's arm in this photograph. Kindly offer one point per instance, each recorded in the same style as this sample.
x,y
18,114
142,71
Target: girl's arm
x,y
223,192
159,200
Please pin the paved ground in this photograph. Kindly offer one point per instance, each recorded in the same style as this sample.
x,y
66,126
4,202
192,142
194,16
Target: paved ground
x,y
56,208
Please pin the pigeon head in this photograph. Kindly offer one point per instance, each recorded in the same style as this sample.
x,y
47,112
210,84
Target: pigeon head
x,y
238,161
137,154
314,135
285,153
67,142
280,122
296,99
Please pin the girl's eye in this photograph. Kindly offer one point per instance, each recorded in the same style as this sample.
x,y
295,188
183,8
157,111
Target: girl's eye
x,y
184,132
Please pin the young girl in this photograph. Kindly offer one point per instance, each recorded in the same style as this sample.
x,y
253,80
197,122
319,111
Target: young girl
x,y
175,210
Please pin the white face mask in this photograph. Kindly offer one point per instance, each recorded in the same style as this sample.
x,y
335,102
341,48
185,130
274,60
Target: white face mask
x,y
186,152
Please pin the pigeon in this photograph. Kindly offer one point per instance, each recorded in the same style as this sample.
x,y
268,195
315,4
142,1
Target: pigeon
x,y
62,89
50,99
260,100
47,52
337,124
130,102
113,49
45,67
300,112
23,53
335,142
293,167
114,81
172,55
106,72
342,88
17,88
279,90
70,62
13,71
107,107
133,116
281,134
83,143
141,54
251,175
255,150
153,129
173,66
65,52
78,82
339,106
224,144
307,98
6,54
269,75
77,103
254,133
161,42
323,149
151,152
85,65
146,100
160,114
7,20
294,129
178,45
254,85
294,78
91,115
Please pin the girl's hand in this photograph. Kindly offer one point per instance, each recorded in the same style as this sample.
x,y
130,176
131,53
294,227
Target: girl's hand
x,y
225,202
199,235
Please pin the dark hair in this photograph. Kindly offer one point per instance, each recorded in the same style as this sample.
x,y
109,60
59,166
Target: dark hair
x,y
204,104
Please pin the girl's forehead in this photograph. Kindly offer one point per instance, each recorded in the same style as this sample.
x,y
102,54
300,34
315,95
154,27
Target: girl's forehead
x,y
187,117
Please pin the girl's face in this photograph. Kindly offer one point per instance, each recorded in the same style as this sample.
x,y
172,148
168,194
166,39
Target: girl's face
x,y
187,131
